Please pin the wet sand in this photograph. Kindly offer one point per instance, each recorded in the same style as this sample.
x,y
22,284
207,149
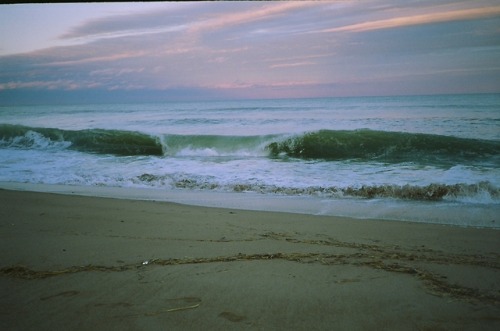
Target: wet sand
x,y
80,263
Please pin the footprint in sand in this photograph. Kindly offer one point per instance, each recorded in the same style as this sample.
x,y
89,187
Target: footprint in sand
x,y
232,316
61,294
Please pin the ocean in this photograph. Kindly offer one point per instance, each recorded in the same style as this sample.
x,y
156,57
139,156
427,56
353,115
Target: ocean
x,y
408,158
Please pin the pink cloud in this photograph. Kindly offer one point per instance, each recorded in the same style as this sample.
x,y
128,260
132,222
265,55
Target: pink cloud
x,y
247,16
105,58
453,15
245,85
293,64
115,72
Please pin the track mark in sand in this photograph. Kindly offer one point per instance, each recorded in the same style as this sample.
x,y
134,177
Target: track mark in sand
x,y
178,304
393,259
61,294
232,316
114,304
345,281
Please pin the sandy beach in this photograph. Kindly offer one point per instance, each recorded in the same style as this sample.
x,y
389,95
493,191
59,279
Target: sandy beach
x,y
80,263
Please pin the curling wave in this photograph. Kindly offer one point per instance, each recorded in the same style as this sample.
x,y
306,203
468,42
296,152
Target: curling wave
x,y
392,147
117,142
358,145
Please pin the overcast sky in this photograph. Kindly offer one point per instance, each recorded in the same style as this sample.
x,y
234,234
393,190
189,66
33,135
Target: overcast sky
x,y
250,49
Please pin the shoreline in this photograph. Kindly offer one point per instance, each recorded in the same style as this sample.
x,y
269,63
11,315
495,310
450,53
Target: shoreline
x,y
88,262
440,212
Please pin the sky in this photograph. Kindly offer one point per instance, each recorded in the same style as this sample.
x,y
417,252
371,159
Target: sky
x,y
147,51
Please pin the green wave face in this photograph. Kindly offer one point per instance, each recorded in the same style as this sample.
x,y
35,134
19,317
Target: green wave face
x,y
365,145
117,142
357,145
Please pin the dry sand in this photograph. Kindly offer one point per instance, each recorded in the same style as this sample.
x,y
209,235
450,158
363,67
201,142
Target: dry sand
x,y
83,263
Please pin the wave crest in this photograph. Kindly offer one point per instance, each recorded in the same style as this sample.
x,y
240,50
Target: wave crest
x,y
384,146
122,143
358,145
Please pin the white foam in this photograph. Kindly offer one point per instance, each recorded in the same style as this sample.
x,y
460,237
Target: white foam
x,y
33,140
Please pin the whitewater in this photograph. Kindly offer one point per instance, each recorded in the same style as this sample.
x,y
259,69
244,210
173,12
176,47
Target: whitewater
x,y
413,158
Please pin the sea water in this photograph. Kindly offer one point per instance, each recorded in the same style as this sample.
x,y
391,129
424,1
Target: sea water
x,y
418,158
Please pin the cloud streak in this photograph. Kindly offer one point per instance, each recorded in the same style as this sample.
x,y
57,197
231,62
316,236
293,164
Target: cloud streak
x,y
294,64
98,59
248,16
411,20
170,18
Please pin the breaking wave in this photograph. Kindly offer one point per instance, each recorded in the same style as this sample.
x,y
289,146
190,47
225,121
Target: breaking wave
x,y
392,147
117,142
358,145
216,145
